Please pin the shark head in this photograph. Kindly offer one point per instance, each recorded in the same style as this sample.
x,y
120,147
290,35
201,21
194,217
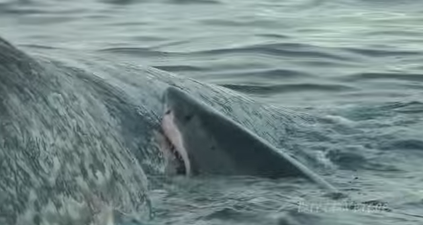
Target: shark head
x,y
190,147
201,140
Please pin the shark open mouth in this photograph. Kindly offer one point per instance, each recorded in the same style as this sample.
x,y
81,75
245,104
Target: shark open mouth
x,y
172,147
177,160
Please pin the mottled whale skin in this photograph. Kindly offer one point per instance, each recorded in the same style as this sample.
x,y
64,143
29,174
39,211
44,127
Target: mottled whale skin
x,y
66,147
211,143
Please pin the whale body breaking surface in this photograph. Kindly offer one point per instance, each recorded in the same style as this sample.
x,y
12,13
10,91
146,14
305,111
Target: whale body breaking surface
x,y
77,135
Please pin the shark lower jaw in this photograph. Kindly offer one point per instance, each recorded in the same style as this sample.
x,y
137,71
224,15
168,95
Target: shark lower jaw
x,y
172,146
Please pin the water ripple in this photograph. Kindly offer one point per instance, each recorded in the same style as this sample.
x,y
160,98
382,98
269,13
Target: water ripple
x,y
292,50
380,76
266,74
280,88
384,52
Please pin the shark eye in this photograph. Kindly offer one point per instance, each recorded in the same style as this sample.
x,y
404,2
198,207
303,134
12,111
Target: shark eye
x,y
167,111
188,117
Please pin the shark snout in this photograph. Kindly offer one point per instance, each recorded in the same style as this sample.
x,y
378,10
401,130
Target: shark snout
x,y
180,103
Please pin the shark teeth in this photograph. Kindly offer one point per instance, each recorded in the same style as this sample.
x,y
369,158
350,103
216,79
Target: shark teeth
x,y
180,169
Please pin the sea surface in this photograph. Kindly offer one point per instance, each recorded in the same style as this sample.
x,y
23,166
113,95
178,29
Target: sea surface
x,y
358,62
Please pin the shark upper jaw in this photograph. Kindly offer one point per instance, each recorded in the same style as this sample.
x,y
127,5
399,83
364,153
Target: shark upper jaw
x,y
172,146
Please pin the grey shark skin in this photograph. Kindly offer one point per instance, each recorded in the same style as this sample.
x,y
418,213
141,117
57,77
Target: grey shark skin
x,y
210,143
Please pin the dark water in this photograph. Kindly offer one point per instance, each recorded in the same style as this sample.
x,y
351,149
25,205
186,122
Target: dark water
x,y
356,63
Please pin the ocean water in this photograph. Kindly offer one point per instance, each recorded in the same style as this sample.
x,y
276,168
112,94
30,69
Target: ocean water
x,y
358,63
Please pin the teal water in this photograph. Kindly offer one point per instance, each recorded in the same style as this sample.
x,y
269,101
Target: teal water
x,y
358,63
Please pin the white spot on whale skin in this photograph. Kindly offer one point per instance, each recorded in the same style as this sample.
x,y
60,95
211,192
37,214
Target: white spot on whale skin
x,y
340,120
